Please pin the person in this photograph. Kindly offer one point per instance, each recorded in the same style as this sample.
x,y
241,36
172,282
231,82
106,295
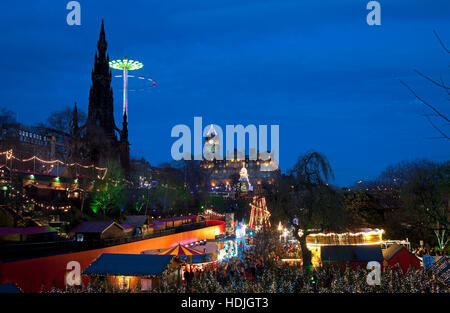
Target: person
x,y
328,278
260,268
253,270
188,277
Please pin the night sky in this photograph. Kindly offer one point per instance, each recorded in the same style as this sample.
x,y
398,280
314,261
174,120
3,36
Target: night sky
x,y
314,67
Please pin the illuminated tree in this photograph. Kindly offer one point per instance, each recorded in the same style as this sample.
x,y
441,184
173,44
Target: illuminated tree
x,y
109,194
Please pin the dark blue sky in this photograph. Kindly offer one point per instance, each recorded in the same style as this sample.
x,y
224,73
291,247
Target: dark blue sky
x,y
314,67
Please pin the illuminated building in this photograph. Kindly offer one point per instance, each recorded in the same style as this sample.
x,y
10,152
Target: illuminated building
x,y
244,183
27,141
224,175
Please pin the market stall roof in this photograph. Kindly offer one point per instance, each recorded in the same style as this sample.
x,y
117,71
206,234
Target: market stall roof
x,y
9,288
129,264
351,253
26,230
178,250
93,227
136,220
127,226
390,252
176,218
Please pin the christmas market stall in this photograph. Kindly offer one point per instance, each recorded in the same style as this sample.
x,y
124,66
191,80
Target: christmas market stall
x,y
134,272
398,254
9,288
358,237
98,230
354,255
179,250
199,255
204,261
227,248
140,223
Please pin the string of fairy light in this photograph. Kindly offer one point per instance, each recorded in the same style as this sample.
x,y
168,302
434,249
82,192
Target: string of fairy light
x,y
370,237
211,212
28,200
10,155
14,193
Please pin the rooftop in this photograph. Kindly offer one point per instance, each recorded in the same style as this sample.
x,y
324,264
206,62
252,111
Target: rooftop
x,y
93,227
129,264
351,253
25,230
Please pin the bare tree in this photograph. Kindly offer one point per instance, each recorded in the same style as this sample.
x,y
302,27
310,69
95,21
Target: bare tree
x,y
62,120
59,124
440,84
7,116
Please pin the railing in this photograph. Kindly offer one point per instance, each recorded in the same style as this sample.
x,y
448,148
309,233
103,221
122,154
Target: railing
x,y
16,251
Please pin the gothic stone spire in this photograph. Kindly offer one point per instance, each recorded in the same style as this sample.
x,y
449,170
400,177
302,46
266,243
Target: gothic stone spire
x,y
101,110
75,128
124,145
100,125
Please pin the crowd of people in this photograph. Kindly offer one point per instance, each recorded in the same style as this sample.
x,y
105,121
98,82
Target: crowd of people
x,y
260,269
250,268
420,252
284,278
